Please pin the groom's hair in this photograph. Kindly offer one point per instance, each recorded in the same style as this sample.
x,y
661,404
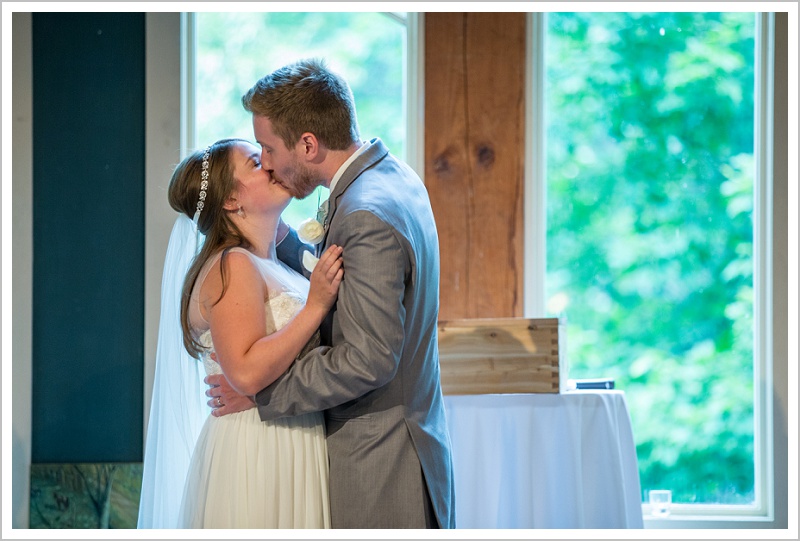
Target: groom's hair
x,y
306,97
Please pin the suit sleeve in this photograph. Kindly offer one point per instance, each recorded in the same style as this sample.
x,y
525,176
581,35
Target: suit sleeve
x,y
369,321
290,251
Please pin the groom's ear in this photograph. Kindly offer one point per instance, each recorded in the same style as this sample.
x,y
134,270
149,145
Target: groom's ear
x,y
310,146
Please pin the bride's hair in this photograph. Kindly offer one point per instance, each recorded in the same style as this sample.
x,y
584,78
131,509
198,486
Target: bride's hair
x,y
221,234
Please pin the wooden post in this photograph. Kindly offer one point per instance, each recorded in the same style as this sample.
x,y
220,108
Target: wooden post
x,y
474,158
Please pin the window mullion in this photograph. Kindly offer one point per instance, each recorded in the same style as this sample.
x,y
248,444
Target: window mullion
x,y
535,199
762,254
188,82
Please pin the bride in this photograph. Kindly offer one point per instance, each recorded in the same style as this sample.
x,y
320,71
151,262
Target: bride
x,y
255,315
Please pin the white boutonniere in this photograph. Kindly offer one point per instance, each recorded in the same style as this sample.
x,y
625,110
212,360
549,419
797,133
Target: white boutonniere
x,y
311,231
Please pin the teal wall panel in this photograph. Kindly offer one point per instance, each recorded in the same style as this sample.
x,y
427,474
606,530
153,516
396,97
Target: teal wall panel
x,y
88,236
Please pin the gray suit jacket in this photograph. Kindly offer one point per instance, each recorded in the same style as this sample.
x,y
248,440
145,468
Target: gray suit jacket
x,y
377,378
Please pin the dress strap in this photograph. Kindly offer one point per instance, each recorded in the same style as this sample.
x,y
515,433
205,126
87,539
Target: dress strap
x,y
195,314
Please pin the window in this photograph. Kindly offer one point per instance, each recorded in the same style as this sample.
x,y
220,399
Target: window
x,y
651,219
586,164
233,50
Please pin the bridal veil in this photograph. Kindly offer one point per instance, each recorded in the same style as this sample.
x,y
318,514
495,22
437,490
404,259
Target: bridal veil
x,y
179,406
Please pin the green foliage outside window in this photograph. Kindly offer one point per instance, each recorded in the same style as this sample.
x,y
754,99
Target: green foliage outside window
x,y
650,233
235,49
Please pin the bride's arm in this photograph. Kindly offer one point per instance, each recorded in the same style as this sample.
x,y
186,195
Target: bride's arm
x,y
249,358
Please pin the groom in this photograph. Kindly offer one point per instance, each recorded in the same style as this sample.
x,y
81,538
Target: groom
x,y
378,378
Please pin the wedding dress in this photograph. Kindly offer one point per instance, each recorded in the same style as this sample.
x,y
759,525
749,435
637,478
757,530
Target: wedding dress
x,y
249,473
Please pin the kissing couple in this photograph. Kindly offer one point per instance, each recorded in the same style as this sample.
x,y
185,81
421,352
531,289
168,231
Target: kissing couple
x,y
323,380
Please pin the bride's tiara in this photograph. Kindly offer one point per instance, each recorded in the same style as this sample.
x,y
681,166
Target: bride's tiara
x,y
203,185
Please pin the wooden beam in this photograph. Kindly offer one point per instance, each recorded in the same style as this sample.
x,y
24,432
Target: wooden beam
x,y
474,158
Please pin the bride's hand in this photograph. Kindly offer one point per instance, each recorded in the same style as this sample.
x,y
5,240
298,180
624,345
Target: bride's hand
x,y
325,279
223,399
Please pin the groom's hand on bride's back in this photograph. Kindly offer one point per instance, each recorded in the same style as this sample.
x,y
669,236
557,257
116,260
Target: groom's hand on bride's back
x,y
223,399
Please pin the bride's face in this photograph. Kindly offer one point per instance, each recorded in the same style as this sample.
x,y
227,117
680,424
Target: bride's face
x,y
256,190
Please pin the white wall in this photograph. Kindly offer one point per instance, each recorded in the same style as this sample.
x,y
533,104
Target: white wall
x,y
162,154
22,269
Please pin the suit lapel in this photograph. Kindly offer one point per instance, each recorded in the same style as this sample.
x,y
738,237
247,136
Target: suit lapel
x,y
372,155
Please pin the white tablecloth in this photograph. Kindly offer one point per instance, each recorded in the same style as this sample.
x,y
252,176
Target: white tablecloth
x,y
544,461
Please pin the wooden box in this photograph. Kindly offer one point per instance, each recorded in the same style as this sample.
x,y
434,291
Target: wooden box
x,y
502,355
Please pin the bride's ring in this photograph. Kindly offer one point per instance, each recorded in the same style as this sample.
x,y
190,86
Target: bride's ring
x,y
219,402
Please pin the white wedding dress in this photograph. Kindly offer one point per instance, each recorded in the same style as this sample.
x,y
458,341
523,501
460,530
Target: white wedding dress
x,y
249,473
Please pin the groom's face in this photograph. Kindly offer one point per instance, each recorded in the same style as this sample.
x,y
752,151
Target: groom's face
x,y
284,164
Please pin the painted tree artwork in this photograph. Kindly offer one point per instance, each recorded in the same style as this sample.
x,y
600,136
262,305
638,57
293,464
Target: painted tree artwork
x,y
85,496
